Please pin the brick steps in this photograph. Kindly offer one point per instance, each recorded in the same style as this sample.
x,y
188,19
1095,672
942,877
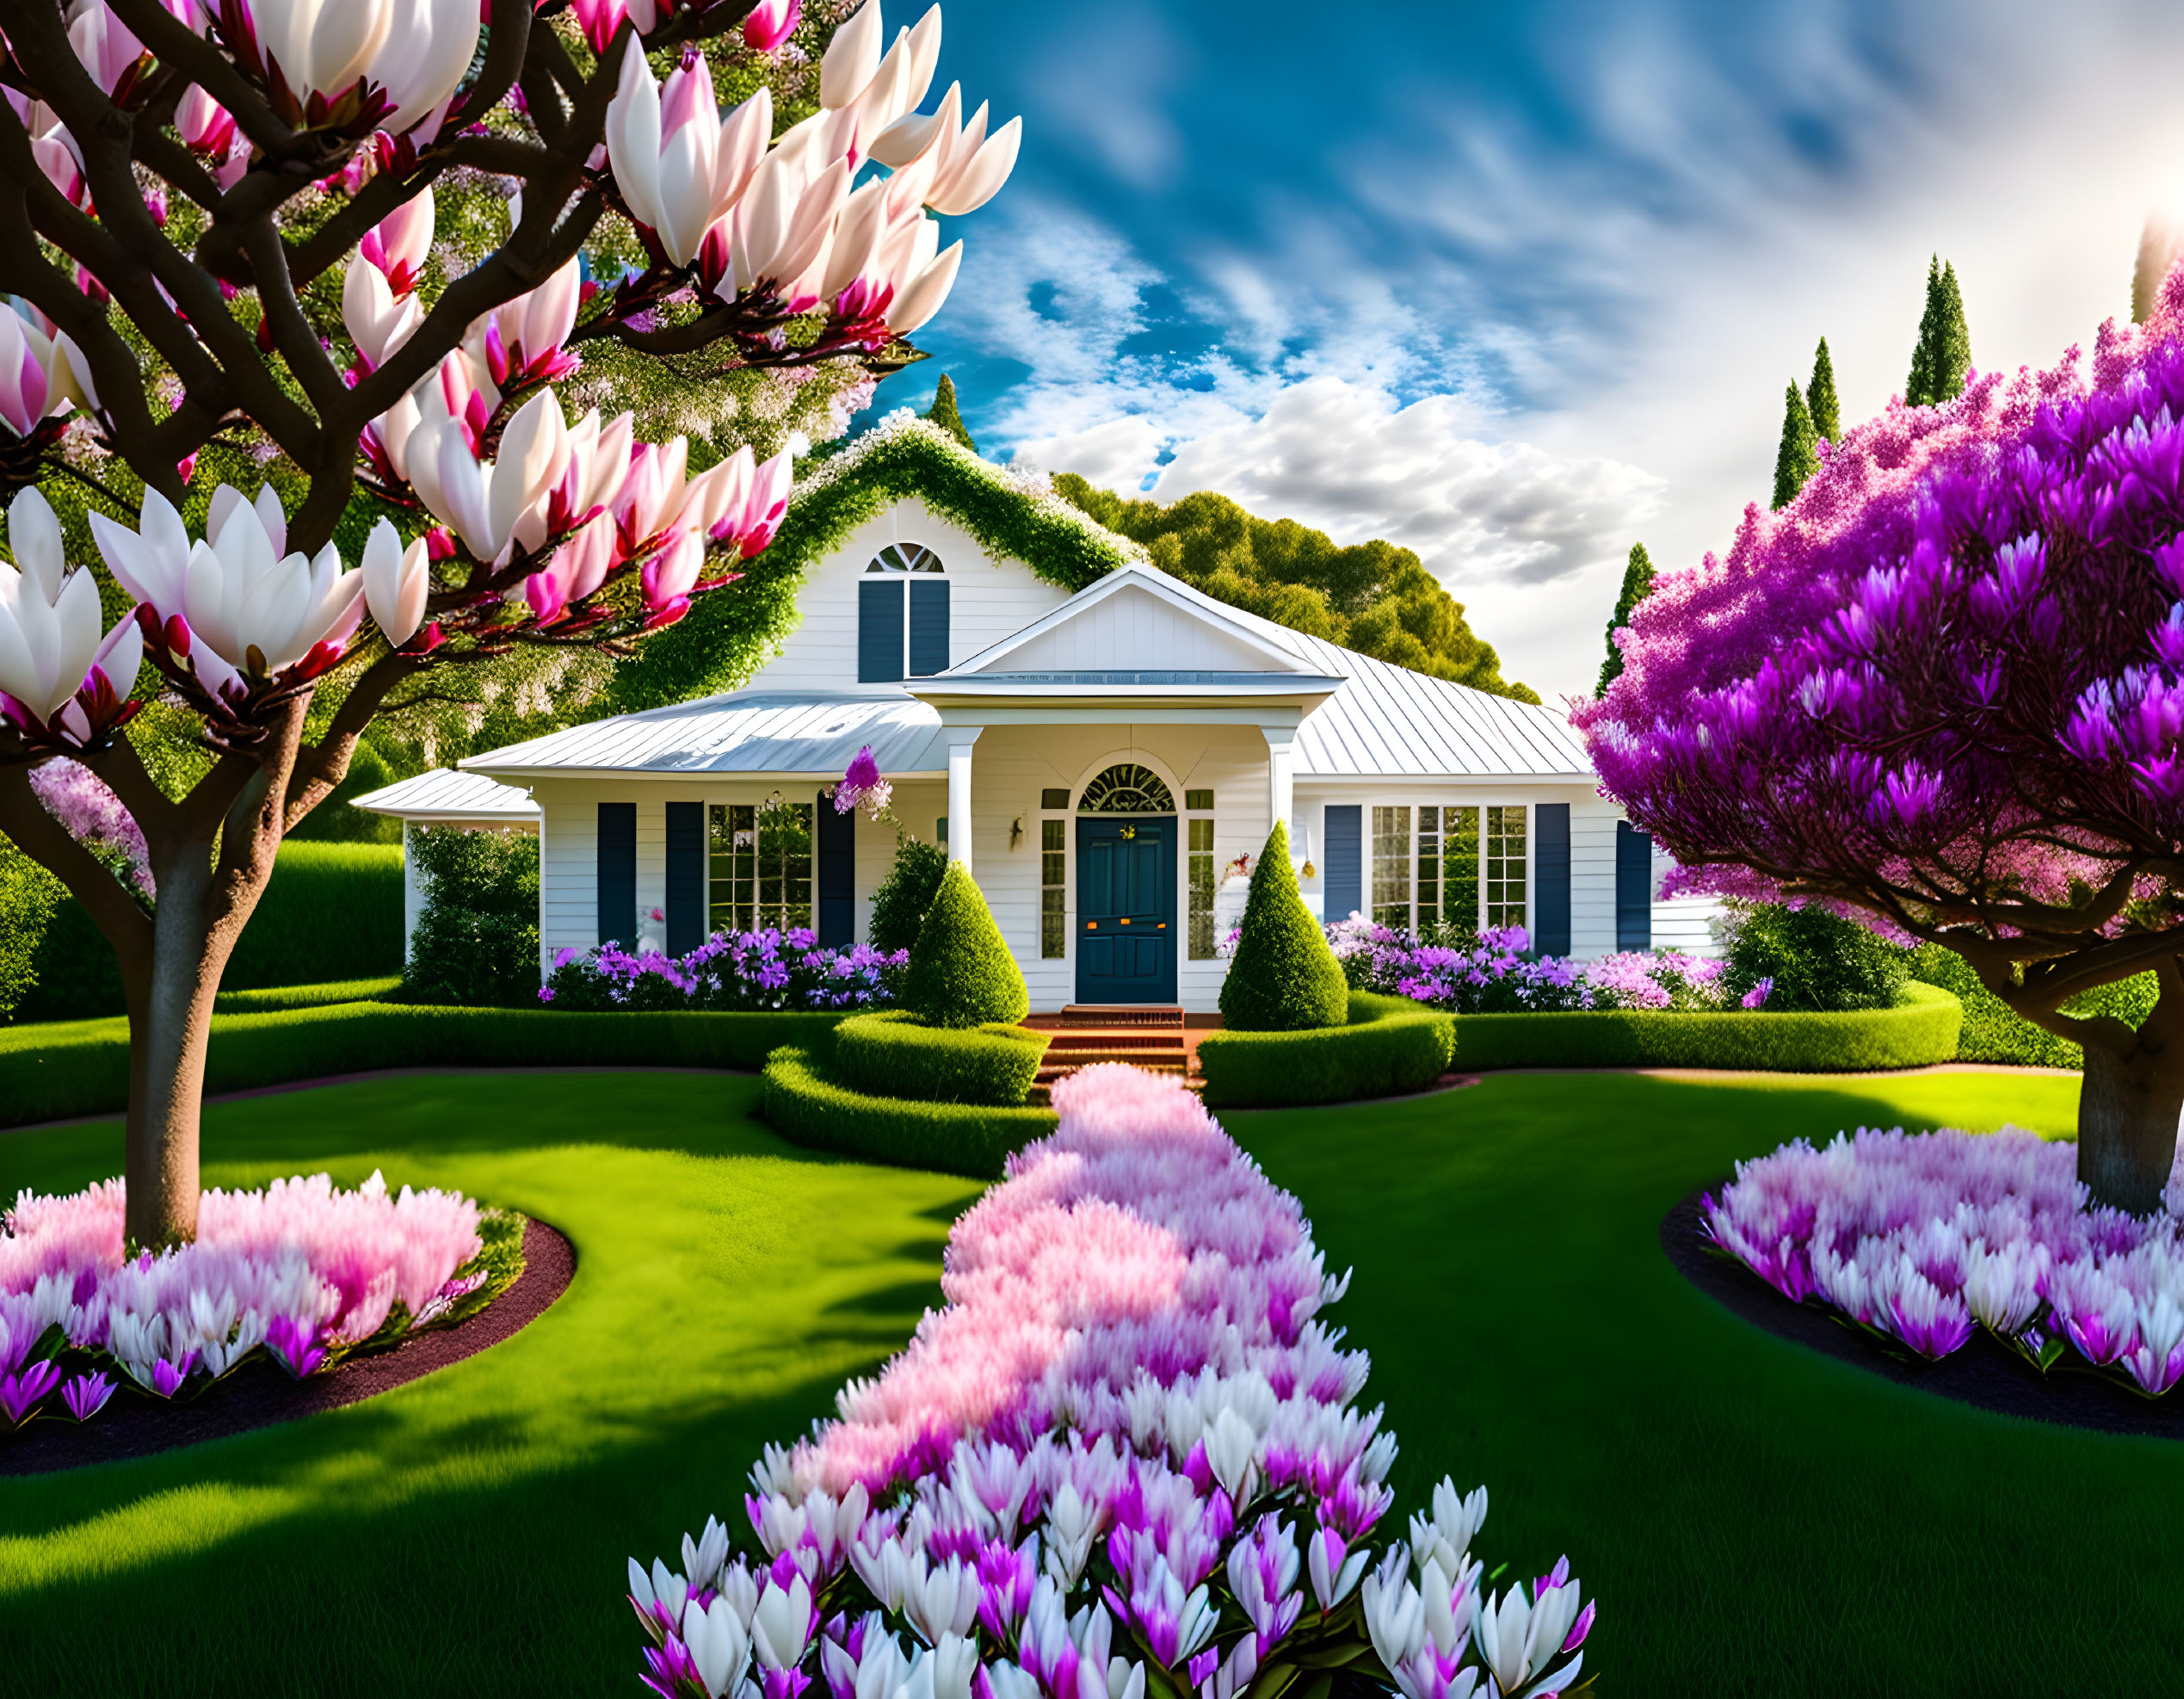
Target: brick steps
x,y
1148,1037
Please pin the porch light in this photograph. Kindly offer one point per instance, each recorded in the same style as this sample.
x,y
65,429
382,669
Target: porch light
x,y
1016,832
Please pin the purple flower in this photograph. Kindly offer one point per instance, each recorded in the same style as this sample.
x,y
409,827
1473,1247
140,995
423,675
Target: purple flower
x,y
19,1393
86,1395
295,1345
167,1378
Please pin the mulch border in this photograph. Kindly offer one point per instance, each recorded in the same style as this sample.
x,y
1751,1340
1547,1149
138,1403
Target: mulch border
x,y
261,1394
1985,1373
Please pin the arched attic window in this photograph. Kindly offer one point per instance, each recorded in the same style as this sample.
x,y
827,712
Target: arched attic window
x,y
902,615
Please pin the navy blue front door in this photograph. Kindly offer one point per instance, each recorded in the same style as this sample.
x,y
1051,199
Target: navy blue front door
x,y
1125,909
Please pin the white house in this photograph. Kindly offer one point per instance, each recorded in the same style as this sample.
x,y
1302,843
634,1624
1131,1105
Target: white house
x,y
1098,757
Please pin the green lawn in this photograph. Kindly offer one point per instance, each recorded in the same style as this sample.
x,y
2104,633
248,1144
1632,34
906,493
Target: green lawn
x,y
466,1534
1755,1518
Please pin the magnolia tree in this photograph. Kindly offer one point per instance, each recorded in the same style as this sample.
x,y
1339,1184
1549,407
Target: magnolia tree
x,y
303,139
1944,689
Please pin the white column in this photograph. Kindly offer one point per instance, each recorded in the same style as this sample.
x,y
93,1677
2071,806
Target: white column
x,y
412,892
1280,767
960,741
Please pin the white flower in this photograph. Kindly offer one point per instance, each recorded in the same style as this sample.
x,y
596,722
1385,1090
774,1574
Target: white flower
x,y
416,50
781,1624
679,163
482,500
396,581
718,1645
49,617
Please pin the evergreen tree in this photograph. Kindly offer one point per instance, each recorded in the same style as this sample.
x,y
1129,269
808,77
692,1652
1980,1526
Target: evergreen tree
x,y
1637,584
1943,354
1820,397
1799,457
943,413
1284,978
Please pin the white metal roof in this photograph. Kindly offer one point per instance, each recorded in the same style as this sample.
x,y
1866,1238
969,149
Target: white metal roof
x,y
768,731
1389,719
446,795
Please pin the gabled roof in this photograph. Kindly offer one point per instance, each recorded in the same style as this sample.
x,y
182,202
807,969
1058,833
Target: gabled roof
x,y
768,731
447,796
1099,614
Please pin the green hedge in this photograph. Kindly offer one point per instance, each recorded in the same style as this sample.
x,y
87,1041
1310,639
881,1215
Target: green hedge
x,y
1922,1028
330,911
807,1108
893,1054
82,1067
1994,1032
303,997
1391,1045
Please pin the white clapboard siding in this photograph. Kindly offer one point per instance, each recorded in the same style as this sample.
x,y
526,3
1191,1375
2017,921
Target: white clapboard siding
x,y
988,600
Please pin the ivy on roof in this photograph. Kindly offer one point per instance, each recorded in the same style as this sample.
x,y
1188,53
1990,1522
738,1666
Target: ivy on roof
x,y
727,636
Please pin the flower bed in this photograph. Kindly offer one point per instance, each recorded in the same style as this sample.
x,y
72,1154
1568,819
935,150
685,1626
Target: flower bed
x,y
1921,1238
303,1272
1495,974
1124,1460
767,969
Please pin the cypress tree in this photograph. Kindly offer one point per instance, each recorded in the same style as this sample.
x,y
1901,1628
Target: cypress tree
x,y
1637,584
1820,397
1942,356
943,413
1798,459
1284,977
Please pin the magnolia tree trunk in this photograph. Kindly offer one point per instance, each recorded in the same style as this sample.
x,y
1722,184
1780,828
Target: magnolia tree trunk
x,y
2129,1107
170,988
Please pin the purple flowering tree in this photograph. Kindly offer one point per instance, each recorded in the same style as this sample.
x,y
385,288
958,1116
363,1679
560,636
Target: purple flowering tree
x,y
219,218
1944,689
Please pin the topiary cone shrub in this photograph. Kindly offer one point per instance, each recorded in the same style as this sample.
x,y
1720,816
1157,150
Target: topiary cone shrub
x,y
1284,978
962,974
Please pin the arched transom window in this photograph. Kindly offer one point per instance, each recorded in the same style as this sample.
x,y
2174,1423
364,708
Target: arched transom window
x,y
905,557
902,615
1126,788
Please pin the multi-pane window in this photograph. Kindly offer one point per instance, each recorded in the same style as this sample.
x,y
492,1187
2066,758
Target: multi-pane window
x,y
1202,884
1053,875
1505,866
1447,868
1391,867
759,865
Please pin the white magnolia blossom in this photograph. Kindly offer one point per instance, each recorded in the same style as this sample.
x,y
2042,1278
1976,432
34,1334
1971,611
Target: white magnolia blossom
x,y
416,51
377,322
42,372
969,166
49,619
396,581
251,608
683,171
481,500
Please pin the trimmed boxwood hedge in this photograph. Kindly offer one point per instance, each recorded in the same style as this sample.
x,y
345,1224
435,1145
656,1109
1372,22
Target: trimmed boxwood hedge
x,y
1391,1045
807,1108
1284,977
329,912
82,1067
303,996
891,1053
961,972
1921,1029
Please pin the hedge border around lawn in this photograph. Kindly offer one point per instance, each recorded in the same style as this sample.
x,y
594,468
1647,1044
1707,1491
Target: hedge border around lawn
x,y
82,1067
1921,1030
894,1052
807,1108
1391,1046
271,997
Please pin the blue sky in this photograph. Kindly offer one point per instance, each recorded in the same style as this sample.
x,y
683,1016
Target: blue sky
x,y
1515,285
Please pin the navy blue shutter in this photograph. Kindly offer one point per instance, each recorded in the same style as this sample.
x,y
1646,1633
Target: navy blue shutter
x,y
837,876
879,631
929,626
686,877
1633,888
617,873
1550,868
1344,832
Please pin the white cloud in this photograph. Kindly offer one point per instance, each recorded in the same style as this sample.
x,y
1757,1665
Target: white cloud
x,y
1608,314
1499,522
